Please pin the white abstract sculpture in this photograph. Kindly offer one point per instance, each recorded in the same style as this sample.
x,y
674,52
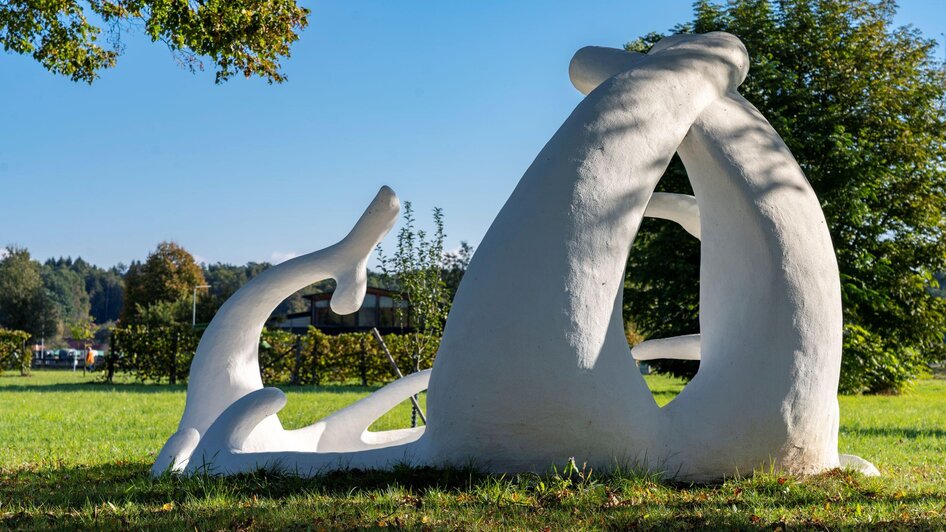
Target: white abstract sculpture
x,y
556,379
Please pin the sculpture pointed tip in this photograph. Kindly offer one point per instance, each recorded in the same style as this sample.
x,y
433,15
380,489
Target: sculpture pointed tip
x,y
374,224
850,461
388,198
176,452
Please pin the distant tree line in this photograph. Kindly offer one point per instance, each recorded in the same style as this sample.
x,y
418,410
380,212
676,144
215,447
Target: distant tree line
x,y
51,300
70,300
48,299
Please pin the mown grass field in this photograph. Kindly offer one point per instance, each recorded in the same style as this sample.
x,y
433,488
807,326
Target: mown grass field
x,y
75,454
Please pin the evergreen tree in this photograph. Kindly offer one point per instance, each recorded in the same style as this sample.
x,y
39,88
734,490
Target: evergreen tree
x,y
25,304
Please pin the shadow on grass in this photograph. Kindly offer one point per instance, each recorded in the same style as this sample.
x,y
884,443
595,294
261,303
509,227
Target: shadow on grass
x,y
895,432
67,486
91,386
123,495
17,384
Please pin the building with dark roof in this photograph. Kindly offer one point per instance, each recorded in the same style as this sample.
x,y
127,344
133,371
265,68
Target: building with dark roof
x,y
378,310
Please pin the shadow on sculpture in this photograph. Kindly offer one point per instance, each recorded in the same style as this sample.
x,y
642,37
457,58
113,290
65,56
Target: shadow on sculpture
x,y
558,380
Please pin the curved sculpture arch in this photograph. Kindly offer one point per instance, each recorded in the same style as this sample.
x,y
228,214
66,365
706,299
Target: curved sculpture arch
x,y
558,380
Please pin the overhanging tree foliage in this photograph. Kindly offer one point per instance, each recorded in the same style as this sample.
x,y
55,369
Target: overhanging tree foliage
x,y
861,105
247,37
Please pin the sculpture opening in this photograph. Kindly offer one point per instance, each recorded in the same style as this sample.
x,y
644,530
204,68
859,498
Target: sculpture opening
x,y
674,354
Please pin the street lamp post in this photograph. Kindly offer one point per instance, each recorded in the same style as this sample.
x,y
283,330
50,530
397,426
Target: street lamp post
x,y
194,309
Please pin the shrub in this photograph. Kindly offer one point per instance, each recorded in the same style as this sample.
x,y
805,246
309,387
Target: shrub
x,y
13,351
165,354
155,352
350,357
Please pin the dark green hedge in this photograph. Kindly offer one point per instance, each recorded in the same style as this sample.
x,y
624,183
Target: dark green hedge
x,y
14,354
165,354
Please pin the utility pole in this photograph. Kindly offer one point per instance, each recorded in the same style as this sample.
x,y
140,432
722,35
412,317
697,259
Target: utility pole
x,y
42,342
194,311
108,292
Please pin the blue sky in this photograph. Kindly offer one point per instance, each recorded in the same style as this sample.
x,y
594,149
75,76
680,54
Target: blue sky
x,y
447,102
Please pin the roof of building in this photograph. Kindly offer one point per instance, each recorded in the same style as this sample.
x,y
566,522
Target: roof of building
x,y
370,290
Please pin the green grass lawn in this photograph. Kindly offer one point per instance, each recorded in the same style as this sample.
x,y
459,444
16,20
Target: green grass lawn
x,y
76,454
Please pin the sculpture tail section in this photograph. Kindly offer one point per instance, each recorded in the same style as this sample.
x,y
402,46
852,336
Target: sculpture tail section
x,y
226,365
343,437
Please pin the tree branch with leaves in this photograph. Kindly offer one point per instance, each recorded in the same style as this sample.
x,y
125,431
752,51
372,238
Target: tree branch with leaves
x,y
239,37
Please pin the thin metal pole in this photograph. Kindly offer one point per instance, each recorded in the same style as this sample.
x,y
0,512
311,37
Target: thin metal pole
x,y
194,311
384,347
